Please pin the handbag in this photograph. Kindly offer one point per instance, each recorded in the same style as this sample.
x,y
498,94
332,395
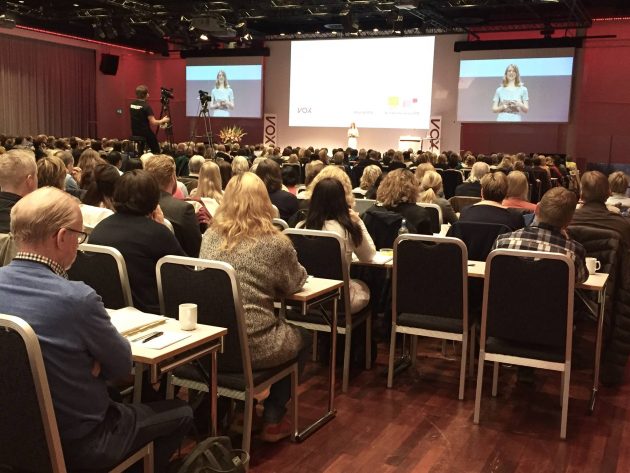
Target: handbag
x,y
214,455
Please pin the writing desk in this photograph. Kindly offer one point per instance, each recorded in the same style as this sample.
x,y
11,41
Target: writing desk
x,y
203,341
318,291
596,282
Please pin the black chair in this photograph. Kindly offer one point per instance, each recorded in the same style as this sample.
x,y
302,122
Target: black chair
x,y
103,268
440,309
214,287
383,226
322,254
460,202
519,329
435,214
451,178
479,237
29,437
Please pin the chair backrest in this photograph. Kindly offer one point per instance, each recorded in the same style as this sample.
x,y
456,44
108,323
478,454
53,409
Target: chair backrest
x,y
7,248
460,202
451,178
280,224
103,268
383,226
213,286
322,255
29,438
512,313
430,277
435,214
361,205
479,237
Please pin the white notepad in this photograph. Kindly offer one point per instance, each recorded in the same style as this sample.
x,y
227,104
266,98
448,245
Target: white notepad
x,y
164,340
129,320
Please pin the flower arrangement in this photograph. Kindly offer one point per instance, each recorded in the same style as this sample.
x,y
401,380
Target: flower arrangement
x,y
231,134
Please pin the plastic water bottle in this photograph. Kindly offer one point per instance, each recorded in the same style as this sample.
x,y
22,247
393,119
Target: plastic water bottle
x,y
403,227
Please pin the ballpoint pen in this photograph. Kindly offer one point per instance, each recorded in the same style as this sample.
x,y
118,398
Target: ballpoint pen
x,y
155,335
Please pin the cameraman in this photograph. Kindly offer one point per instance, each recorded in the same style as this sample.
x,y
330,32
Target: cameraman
x,y
143,118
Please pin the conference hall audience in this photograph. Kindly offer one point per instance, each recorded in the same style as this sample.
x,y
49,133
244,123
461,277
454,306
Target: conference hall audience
x,y
549,231
490,209
472,186
431,192
181,214
51,172
242,235
18,177
191,181
269,172
619,186
87,162
368,180
209,190
82,350
516,196
239,165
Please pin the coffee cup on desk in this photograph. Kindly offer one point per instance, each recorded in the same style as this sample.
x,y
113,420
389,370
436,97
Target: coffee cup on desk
x,y
187,316
593,265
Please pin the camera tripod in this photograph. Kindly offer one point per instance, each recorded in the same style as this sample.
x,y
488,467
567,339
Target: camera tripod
x,y
204,116
168,127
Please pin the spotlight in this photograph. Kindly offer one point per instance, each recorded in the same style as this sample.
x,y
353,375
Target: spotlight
x,y
6,22
203,37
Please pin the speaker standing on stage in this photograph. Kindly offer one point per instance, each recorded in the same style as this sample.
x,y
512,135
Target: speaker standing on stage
x,y
353,134
143,118
222,97
512,98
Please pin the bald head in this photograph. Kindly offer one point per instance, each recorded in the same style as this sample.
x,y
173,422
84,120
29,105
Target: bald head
x,y
18,172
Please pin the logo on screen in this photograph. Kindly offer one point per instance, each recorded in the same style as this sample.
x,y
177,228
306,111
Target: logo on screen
x,y
304,110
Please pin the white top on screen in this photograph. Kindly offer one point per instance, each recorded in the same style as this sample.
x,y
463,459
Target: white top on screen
x,y
375,82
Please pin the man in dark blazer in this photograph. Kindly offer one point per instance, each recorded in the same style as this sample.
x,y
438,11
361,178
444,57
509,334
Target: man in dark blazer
x,y
181,214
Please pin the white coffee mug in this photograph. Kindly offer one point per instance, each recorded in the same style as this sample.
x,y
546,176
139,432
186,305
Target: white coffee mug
x,y
593,265
188,316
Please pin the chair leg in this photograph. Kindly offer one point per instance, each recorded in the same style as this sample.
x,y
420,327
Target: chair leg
x,y
462,368
392,353
346,359
565,400
368,342
471,359
147,463
482,357
495,379
413,350
170,389
314,347
247,421
294,403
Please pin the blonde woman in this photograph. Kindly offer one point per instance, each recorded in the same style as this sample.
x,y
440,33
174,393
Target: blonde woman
x,y
430,191
517,190
242,234
209,188
370,175
422,169
511,98
239,165
222,96
334,172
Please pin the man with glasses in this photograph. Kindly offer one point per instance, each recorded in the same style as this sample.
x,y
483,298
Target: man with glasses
x,y
81,348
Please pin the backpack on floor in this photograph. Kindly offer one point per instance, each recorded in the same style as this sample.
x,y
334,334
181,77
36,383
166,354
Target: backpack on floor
x,y
214,455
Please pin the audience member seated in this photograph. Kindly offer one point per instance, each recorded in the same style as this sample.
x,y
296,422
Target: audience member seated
x,y
287,204
137,230
82,350
489,209
225,168
72,173
18,177
368,179
329,211
398,193
422,169
242,234
472,186
594,213
191,181
516,196
619,183
181,214
87,162
291,177
335,173
549,231
51,172
209,190
430,191
239,165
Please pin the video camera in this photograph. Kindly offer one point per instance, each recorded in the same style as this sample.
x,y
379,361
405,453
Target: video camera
x,y
204,97
166,94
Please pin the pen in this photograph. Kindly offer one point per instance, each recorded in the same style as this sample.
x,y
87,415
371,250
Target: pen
x,y
155,335
142,337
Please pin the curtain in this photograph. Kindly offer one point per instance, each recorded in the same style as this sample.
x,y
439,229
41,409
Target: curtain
x,y
46,88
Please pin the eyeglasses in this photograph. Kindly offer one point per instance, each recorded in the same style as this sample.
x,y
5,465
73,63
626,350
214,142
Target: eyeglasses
x,y
82,235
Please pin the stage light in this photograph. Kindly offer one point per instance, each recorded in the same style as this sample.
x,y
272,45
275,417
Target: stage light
x,y
203,37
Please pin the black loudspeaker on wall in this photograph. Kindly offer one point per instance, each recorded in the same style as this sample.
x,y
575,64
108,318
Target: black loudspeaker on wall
x,y
109,64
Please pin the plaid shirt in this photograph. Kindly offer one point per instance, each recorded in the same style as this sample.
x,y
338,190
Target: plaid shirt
x,y
544,237
53,265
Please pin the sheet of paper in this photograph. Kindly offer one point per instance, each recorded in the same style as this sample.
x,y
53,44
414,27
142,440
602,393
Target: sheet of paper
x,y
164,340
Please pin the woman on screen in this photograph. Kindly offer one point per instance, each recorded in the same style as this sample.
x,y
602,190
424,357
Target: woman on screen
x,y
353,134
511,99
222,97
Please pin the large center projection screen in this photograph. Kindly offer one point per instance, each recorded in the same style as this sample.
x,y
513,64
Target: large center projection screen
x,y
376,82
545,82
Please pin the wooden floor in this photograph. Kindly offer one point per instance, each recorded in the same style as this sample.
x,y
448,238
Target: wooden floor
x,y
421,426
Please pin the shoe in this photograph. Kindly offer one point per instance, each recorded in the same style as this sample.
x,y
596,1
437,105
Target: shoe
x,y
275,432
239,420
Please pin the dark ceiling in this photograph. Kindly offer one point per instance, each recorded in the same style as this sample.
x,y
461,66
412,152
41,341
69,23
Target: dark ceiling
x,y
179,24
